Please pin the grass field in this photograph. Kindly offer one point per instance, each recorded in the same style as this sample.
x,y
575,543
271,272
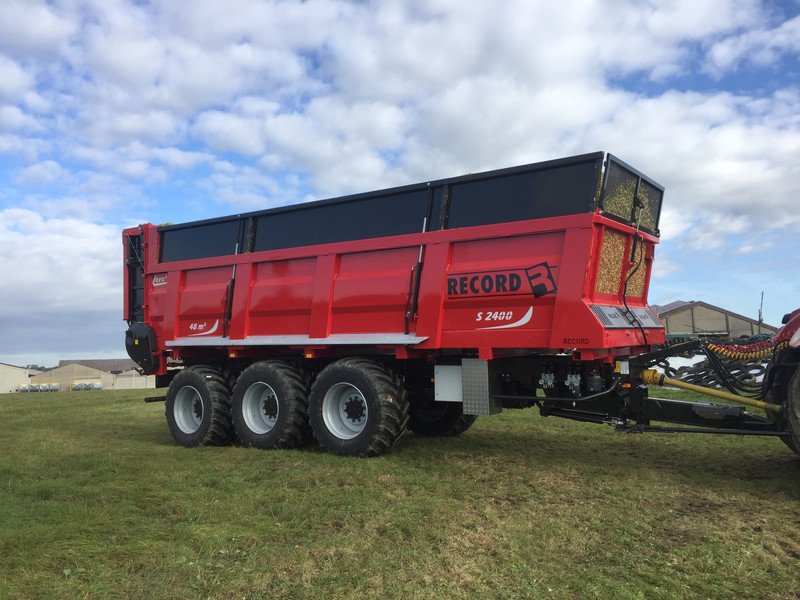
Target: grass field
x,y
97,502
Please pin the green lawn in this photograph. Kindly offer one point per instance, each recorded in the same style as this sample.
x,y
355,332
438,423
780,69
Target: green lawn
x,y
97,502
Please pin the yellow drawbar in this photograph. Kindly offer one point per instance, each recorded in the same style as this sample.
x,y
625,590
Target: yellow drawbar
x,y
652,377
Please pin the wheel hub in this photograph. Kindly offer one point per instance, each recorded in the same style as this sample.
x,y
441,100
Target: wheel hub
x,y
270,407
197,409
354,408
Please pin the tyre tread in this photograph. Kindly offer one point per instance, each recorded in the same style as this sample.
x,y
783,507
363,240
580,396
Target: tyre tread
x,y
295,429
220,430
393,414
453,423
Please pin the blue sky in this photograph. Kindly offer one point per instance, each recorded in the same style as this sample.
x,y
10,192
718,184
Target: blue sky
x,y
116,113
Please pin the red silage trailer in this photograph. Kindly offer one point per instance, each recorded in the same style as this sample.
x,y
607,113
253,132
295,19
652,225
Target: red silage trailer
x,y
422,306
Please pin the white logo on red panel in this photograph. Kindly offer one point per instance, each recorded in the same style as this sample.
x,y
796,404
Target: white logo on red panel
x,y
203,328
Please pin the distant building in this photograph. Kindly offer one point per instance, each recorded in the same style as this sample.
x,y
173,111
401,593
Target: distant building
x,y
110,365
71,375
699,319
107,374
133,380
12,378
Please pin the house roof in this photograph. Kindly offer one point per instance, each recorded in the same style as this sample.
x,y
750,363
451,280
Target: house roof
x,y
30,371
681,305
660,310
112,365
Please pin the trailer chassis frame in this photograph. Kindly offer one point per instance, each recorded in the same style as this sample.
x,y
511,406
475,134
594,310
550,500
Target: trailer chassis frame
x,y
627,406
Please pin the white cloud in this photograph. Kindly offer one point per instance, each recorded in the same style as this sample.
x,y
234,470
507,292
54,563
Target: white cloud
x,y
21,146
250,189
712,233
379,124
664,267
125,57
33,28
12,118
759,47
37,103
338,162
180,159
195,78
42,174
673,222
223,131
754,247
14,80
289,24
71,259
695,19
109,128
135,161
238,128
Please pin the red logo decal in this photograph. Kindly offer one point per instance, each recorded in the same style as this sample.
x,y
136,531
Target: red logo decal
x,y
503,283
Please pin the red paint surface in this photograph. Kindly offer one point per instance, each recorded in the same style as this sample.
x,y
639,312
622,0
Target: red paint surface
x,y
362,287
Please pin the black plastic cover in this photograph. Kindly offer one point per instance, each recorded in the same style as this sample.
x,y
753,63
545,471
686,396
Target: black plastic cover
x,y
564,189
217,238
140,343
376,216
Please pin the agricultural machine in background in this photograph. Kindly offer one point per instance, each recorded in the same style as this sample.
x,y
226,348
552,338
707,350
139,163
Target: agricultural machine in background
x,y
425,306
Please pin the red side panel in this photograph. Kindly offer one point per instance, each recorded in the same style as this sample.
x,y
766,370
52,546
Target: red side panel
x,y
281,294
201,304
371,291
157,301
500,292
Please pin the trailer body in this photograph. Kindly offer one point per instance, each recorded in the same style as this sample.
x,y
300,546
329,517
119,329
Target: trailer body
x,y
518,260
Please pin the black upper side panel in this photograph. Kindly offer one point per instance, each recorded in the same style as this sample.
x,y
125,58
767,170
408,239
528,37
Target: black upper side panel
x,y
553,188
381,216
553,192
199,241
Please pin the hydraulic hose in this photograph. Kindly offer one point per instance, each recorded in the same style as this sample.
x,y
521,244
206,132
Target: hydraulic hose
x,y
752,352
652,377
764,349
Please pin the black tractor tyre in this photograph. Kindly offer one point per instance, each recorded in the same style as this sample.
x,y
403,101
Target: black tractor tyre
x,y
792,411
198,408
778,393
357,408
439,419
270,406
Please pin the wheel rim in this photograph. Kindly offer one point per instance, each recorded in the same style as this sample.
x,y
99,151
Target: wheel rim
x,y
188,409
344,411
260,408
